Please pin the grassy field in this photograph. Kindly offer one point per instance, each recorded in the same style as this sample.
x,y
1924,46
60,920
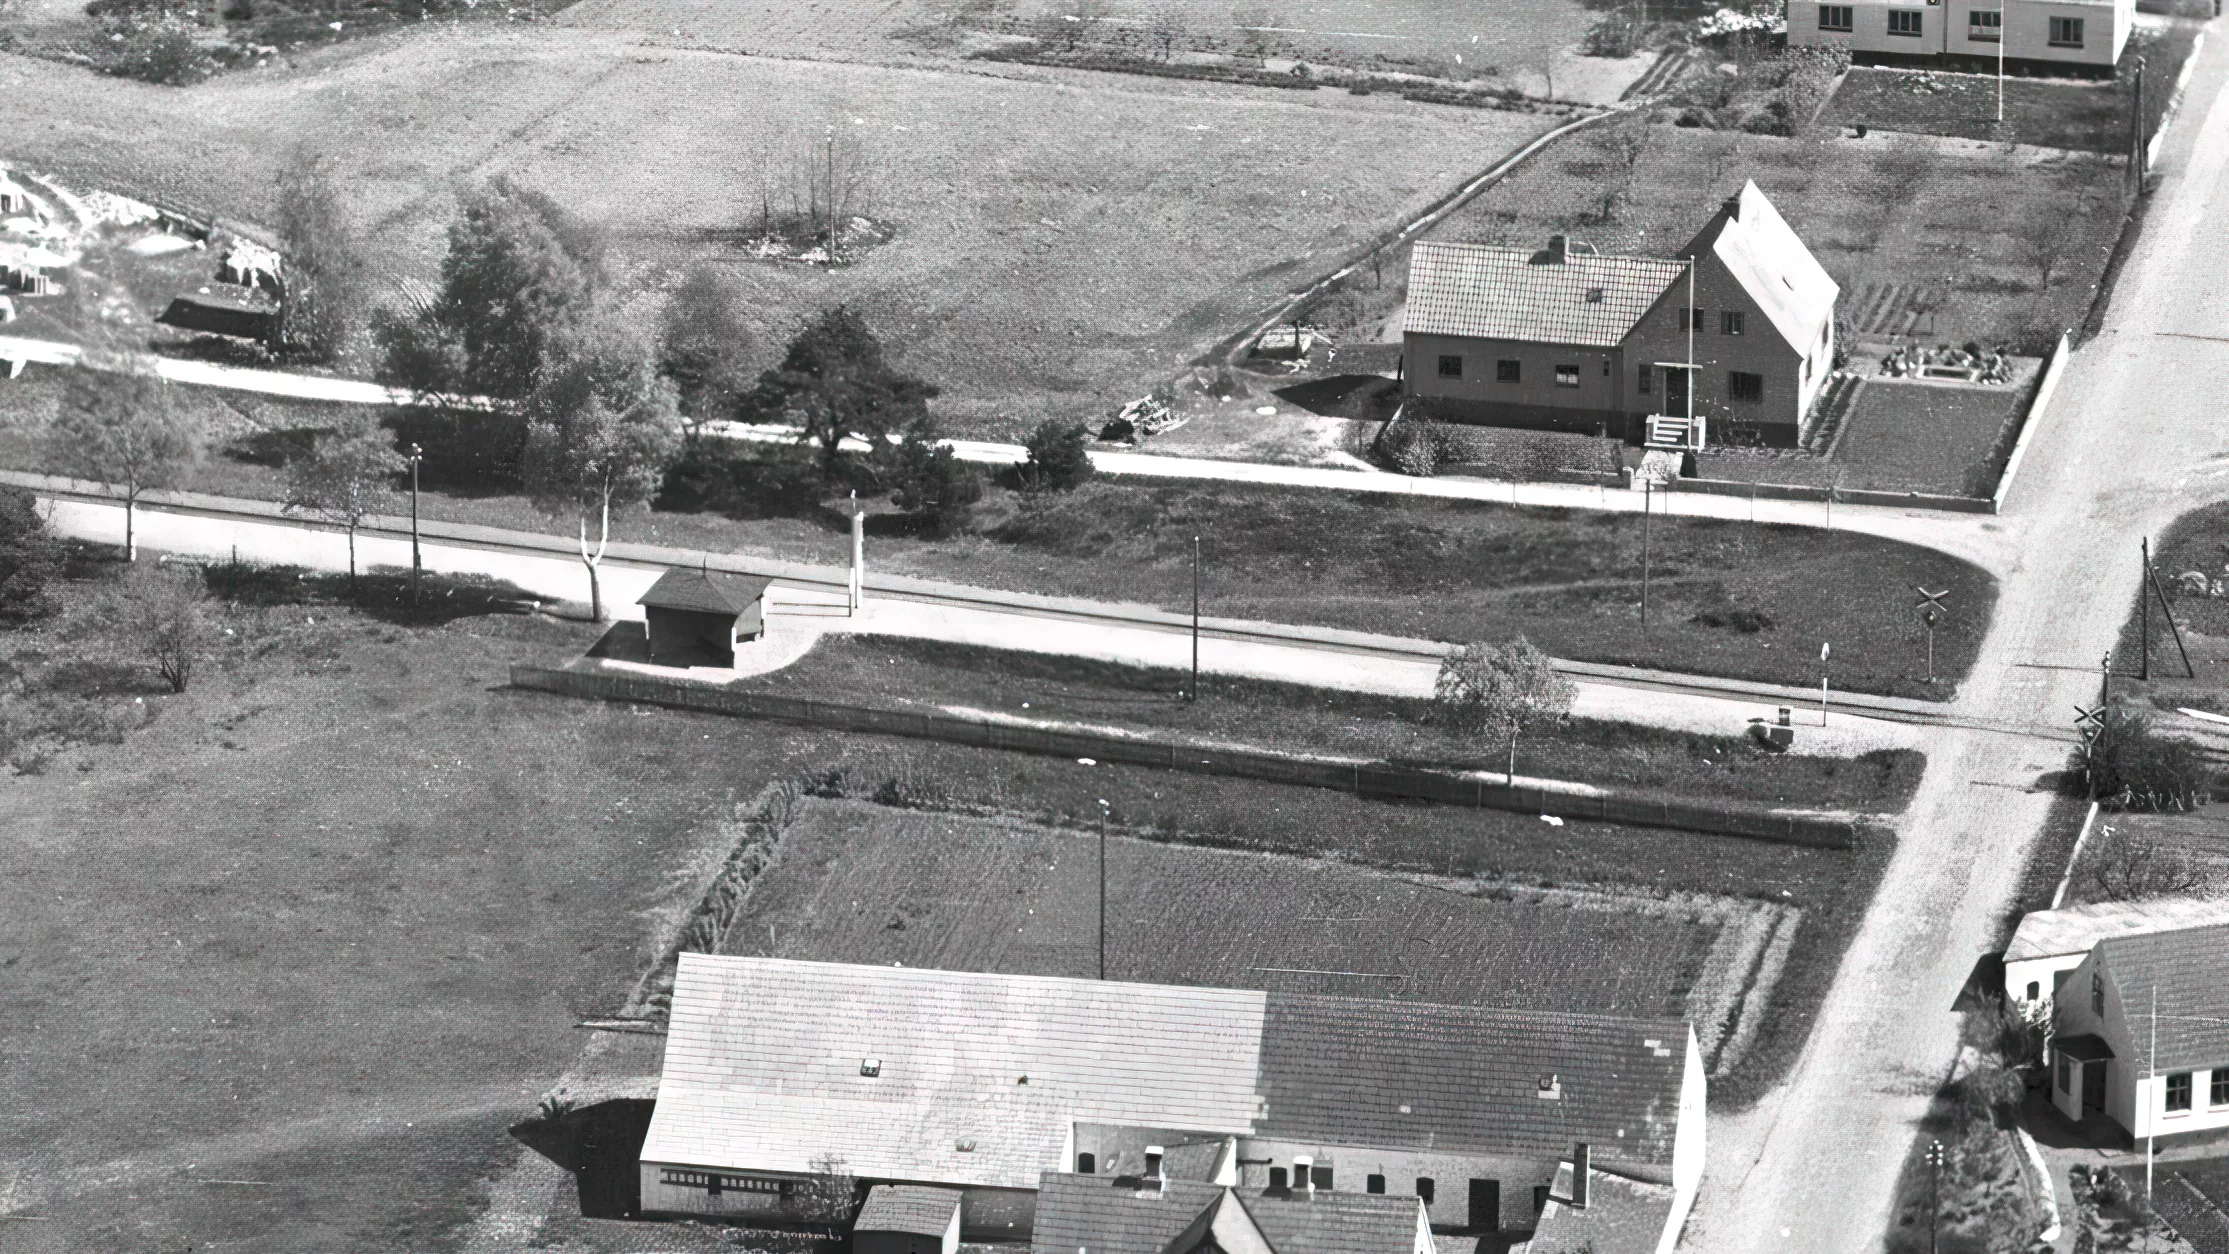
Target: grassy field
x,y
1901,437
857,882
325,922
1023,279
896,670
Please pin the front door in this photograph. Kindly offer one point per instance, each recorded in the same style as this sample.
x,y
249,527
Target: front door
x,y
1485,1206
2093,1087
1675,391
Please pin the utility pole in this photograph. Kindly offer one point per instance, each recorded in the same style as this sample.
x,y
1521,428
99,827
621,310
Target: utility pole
x,y
1648,490
831,200
2144,670
2151,577
1103,888
414,456
2136,128
1935,1198
1193,693
2004,28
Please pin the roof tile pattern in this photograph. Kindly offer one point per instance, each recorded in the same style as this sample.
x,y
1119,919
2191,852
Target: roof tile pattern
x,y
1622,1217
907,1208
2190,970
1102,1216
1510,294
708,591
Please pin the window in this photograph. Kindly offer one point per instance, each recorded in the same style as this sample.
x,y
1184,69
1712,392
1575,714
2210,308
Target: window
x,y
2097,994
2035,990
2178,1092
1605,367
2066,32
1729,322
1373,1183
1451,366
1744,386
713,1183
1904,21
1567,376
1506,371
1087,1164
1836,17
1277,1178
1984,25
1690,319
1320,1177
1424,1183
2218,1095
1644,378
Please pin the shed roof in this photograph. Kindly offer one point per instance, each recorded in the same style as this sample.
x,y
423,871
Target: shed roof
x,y
1106,1215
2077,929
1621,1217
1772,265
1489,292
706,591
2189,968
912,1208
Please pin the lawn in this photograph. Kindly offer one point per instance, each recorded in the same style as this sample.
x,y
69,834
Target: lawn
x,y
901,671
857,882
326,923
1901,437
1063,241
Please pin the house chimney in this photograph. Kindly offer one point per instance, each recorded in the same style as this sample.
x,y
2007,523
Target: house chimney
x,y
1304,1175
1733,207
1558,248
1153,1167
1580,1166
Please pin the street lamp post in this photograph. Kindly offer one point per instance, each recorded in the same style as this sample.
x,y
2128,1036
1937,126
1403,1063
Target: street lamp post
x,y
1193,693
1103,809
1935,1194
414,456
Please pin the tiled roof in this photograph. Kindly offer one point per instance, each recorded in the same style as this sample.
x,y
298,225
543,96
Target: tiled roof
x,y
1622,1217
1099,1215
907,1208
1514,294
2077,929
2190,970
1349,1072
1770,262
708,591
764,1057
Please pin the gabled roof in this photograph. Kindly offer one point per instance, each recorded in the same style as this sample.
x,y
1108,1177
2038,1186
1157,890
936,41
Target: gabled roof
x,y
1489,292
1349,1072
2077,929
1765,256
909,1208
1104,1215
1621,1217
706,591
2190,970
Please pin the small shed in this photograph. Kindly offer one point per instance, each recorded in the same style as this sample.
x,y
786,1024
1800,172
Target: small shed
x,y
907,1219
696,617
220,315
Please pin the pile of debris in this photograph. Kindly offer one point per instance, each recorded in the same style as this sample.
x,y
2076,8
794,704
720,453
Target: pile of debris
x,y
1145,416
1969,364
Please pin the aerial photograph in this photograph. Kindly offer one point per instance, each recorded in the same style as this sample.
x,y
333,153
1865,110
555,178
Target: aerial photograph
x,y
1600,626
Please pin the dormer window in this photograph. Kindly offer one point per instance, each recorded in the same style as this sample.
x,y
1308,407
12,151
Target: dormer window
x,y
1551,1088
870,1067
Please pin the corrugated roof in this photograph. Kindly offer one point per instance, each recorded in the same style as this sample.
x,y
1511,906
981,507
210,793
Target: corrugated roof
x,y
907,1208
2190,969
2077,929
1770,262
1514,294
1104,1216
1622,1217
707,591
1393,1074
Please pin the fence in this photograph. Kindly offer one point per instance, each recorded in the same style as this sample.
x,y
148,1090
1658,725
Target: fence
x,y
1365,779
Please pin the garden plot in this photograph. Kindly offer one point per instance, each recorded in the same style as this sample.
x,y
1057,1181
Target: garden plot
x,y
856,882
1945,439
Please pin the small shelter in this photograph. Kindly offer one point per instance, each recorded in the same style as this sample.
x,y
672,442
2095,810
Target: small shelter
x,y
696,617
907,1219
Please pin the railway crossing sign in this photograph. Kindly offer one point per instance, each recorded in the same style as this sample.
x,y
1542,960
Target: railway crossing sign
x,y
1932,612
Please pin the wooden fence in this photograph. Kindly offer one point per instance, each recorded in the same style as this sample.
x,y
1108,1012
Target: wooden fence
x,y
1366,779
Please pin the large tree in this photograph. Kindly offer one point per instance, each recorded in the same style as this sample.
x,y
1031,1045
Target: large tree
x,y
1501,690
602,427
29,558
835,383
322,285
704,344
346,473
521,275
127,431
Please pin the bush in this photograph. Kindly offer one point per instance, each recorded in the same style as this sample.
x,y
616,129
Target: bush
x,y
464,448
164,614
29,559
742,482
164,50
1059,456
1410,447
2135,768
930,482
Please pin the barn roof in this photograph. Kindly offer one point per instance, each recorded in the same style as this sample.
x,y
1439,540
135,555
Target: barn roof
x,y
2185,967
1621,1217
1554,296
706,591
1125,1215
1755,244
908,1208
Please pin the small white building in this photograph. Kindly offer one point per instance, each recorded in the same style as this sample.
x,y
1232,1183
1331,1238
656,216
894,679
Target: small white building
x,y
2031,33
249,264
2141,1033
2050,944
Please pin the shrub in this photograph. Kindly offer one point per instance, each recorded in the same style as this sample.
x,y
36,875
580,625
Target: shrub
x,y
726,477
931,482
29,558
1410,447
1059,456
2121,869
2132,766
164,50
164,614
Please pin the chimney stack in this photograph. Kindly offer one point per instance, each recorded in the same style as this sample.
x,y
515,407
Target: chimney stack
x,y
1558,248
1304,1175
1580,1167
1733,207
1153,1173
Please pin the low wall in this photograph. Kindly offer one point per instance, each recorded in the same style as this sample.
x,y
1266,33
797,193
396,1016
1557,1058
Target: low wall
x,y
1842,496
1380,780
2046,387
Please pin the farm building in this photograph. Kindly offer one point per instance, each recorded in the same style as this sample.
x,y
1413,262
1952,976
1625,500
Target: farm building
x,y
1566,339
907,1219
696,617
220,315
2141,1033
2048,35
982,1082
1157,1214
2050,944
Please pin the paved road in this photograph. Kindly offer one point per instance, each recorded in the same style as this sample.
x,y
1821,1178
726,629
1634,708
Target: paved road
x,y
14,348
2137,436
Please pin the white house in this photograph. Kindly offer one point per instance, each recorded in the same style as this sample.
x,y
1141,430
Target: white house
x,y
2049,944
2141,1033
2033,34
982,1083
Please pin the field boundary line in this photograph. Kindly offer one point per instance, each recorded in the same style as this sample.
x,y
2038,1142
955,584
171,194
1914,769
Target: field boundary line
x,y
1365,779
2046,388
